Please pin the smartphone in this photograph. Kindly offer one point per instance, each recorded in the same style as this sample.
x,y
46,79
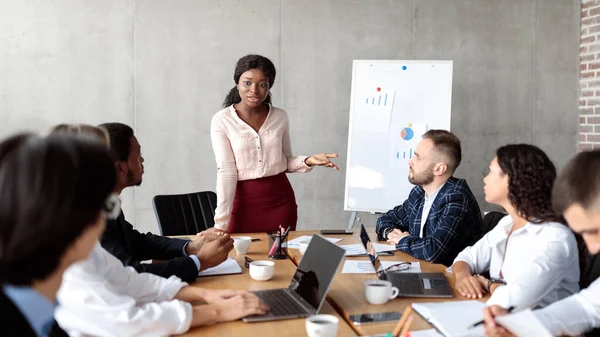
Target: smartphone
x,y
375,317
337,232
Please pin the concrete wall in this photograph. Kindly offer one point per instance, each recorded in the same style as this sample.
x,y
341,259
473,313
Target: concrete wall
x,y
164,67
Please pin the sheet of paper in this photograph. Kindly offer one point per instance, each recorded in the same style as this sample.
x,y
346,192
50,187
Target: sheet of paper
x,y
425,333
295,243
374,112
230,266
523,324
443,316
359,249
366,267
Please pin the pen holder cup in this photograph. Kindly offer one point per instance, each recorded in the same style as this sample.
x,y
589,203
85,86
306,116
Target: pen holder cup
x,y
277,246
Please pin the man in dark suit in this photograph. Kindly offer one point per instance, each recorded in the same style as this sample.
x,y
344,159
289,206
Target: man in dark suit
x,y
54,192
183,258
441,216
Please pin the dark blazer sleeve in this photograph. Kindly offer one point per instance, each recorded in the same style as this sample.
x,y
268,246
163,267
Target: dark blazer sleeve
x,y
132,247
398,217
444,241
149,246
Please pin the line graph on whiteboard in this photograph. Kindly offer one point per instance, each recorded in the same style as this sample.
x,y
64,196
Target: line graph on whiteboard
x,y
405,142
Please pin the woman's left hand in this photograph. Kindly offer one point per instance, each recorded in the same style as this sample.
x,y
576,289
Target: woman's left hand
x,y
322,159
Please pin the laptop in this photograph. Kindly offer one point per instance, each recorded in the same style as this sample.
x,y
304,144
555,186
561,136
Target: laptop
x,y
308,287
408,284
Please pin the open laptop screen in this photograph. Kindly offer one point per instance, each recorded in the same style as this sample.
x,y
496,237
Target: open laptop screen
x,y
316,270
366,241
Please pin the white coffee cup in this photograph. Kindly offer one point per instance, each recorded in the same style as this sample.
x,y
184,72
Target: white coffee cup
x,y
262,270
241,244
322,326
302,246
379,292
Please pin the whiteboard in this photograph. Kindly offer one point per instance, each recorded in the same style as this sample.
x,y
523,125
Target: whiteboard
x,y
392,104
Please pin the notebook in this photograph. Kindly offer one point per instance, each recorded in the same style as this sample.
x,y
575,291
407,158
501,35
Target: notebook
x,y
230,266
443,316
524,324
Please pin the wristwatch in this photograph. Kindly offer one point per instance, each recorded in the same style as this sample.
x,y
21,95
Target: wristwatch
x,y
494,280
387,231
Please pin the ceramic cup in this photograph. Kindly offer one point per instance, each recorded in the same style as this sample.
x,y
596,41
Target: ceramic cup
x,y
262,270
322,326
379,292
241,244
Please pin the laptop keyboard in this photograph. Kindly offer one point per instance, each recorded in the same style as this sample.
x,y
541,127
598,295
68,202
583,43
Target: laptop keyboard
x,y
280,302
408,284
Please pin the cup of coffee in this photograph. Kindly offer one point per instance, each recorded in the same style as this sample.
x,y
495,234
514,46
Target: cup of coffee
x,y
242,244
262,270
379,292
322,326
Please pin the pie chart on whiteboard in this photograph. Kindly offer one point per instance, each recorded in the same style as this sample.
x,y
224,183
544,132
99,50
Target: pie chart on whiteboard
x,y
407,133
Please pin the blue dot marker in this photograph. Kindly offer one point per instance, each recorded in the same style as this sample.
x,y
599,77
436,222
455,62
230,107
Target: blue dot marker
x,y
403,67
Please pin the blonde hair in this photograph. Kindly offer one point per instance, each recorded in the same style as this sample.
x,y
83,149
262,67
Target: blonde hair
x,y
86,131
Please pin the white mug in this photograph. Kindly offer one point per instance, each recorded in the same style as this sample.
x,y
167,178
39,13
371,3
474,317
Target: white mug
x,y
322,326
379,292
262,270
241,244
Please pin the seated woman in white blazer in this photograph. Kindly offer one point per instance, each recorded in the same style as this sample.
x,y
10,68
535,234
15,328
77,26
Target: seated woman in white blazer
x,y
531,256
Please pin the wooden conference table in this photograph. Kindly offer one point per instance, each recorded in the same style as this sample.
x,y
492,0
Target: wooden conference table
x,y
345,297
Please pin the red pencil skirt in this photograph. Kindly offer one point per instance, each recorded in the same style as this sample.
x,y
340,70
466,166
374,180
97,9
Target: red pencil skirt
x,y
261,205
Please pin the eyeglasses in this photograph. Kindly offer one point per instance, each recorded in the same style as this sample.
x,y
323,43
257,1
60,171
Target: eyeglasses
x,y
402,266
112,207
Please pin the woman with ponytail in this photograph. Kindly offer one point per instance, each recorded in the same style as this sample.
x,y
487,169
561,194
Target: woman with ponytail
x,y
251,141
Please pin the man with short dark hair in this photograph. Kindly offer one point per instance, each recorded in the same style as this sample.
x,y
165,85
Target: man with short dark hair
x,y
183,258
441,216
576,196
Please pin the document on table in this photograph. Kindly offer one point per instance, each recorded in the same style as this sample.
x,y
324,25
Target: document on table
x,y
366,267
359,249
230,266
443,315
523,324
295,243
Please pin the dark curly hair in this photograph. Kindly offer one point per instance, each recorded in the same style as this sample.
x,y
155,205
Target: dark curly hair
x,y
531,176
244,64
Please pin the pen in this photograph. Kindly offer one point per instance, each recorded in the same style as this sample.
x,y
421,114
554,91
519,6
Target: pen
x,y
275,244
407,312
286,231
511,308
405,332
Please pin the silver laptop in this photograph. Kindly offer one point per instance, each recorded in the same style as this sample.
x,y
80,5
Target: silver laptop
x,y
308,288
409,284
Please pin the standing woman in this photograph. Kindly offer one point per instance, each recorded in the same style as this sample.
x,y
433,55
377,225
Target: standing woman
x,y
251,142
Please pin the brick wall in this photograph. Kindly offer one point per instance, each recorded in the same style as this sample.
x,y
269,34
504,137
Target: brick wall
x,y
589,100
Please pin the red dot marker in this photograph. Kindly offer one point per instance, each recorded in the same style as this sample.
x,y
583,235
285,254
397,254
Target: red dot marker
x,y
378,89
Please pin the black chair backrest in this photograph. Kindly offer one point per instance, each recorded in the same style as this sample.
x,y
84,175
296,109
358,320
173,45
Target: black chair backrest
x,y
185,214
491,219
